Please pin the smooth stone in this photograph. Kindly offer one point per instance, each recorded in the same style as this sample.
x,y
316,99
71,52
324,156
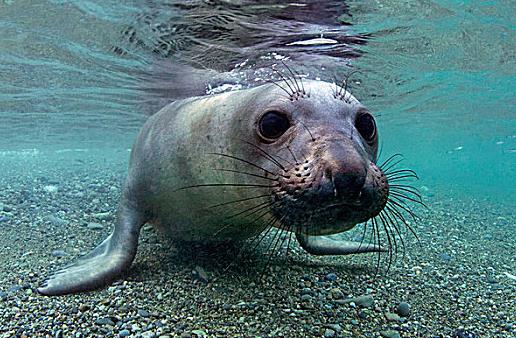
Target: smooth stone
x,y
104,321
200,274
390,334
59,253
362,301
56,220
103,216
403,309
4,218
94,226
143,313
329,333
331,277
124,333
392,317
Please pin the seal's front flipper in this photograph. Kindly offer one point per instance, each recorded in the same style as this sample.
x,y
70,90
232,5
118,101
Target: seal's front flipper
x,y
106,262
321,245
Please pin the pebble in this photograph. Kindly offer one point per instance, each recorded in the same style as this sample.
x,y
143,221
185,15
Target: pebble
x,y
362,301
143,313
104,321
124,333
329,333
56,221
390,334
403,309
331,277
392,317
103,216
1,206
200,274
59,253
95,226
4,218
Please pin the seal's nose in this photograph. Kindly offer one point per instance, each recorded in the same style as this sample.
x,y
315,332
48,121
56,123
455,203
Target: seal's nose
x,y
347,172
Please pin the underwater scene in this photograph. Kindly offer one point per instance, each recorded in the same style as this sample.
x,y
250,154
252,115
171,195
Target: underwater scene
x,y
220,168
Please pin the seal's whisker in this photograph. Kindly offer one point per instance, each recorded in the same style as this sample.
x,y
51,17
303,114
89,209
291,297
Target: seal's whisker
x,y
266,154
245,173
381,166
400,177
239,200
256,208
389,241
401,196
293,156
285,79
244,161
270,221
241,185
401,204
378,242
401,171
294,76
395,225
391,165
289,94
229,225
288,243
406,189
396,211
308,130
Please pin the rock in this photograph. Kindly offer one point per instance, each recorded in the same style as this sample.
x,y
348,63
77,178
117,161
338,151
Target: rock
x,y
94,226
59,253
390,334
143,313
51,189
403,309
56,221
124,333
104,321
464,334
329,333
7,208
103,216
392,317
200,274
4,218
362,301
1,207
336,293
334,327
445,257
331,277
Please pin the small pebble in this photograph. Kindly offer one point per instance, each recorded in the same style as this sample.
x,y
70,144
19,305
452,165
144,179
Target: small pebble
x,y
329,333
59,253
331,277
143,313
390,334
95,226
403,309
124,333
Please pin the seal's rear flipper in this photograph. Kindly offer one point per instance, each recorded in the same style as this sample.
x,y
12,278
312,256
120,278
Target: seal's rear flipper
x,y
321,245
106,262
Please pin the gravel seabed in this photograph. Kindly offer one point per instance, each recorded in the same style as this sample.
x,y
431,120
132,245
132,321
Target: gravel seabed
x,y
458,282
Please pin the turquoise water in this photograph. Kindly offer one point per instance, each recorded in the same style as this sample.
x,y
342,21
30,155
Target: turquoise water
x,y
79,78
440,74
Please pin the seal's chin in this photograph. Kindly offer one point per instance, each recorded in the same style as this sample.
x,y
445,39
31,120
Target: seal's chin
x,y
326,220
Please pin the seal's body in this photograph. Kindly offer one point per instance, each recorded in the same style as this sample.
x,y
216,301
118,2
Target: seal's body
x,y
296,156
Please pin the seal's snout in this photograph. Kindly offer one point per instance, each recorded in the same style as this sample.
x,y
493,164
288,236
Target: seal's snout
x,y
345,172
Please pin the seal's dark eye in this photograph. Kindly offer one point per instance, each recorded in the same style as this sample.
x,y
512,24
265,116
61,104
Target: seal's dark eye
x,y
273,124
366,126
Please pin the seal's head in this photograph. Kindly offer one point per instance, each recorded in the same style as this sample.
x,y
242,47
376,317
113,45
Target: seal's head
x,y
321,144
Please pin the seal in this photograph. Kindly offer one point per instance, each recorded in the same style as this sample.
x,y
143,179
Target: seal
x,y
295,155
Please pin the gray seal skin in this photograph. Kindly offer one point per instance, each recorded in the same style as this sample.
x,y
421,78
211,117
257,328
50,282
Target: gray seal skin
x,y
295,156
